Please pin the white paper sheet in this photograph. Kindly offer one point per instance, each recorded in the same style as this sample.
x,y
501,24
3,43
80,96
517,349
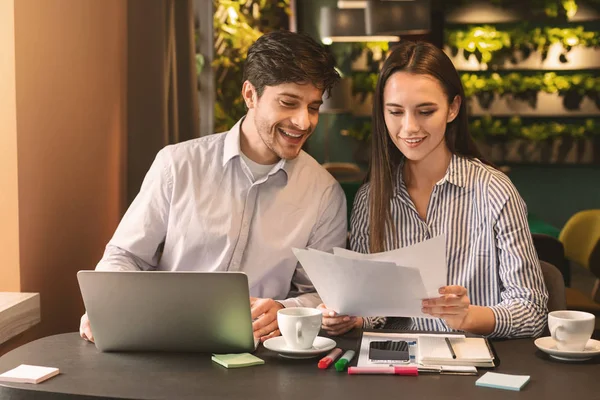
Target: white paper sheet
x,y
363,287
429,257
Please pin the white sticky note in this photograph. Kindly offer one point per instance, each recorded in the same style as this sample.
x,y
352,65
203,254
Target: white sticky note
x,y
28,374
502,381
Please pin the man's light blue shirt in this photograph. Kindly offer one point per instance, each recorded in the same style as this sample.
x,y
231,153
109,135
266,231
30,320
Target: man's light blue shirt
x,y
200,205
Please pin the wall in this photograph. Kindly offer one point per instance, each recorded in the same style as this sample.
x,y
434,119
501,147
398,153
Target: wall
x,y
146,122
555,192
70,98
9,200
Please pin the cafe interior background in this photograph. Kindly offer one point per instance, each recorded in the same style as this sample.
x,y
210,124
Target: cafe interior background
x,y
91,90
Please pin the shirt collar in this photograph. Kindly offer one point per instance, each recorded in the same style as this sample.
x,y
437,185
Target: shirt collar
x,y
232,149
455,174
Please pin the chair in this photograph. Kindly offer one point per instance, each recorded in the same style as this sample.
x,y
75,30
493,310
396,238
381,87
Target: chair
x,y
551,250
581,240
344,172
555,285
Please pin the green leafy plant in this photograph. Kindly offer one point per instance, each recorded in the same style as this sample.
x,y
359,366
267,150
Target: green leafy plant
x,y
361,131
375,52
490,45
482,41
237,24
556,9
540,40
363,83
199,63
573,87
346,53
488,128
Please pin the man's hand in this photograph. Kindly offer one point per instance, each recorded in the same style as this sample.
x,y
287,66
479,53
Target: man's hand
x,y
452,306
85,330
335,324
264,315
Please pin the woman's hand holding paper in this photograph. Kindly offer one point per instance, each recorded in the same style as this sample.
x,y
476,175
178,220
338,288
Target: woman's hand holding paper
x,y
334,324
453,306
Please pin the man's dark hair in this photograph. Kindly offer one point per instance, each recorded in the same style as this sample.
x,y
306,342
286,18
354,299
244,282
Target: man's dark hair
x,y
288,57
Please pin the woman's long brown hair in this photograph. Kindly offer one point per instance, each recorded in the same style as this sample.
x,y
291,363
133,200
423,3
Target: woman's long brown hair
x,y
420,58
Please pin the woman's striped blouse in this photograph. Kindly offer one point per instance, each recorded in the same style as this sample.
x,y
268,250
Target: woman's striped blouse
x,y
489,249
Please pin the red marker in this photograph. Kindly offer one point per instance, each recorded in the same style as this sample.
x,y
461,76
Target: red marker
x,y
406,371
326,361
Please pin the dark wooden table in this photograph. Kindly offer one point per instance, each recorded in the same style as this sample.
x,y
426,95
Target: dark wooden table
x,y
86,373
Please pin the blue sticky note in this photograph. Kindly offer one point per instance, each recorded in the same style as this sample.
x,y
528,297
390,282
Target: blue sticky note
x,y
502,381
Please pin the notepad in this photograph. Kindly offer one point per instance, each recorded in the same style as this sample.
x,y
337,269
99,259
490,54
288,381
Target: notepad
x,y
433,350
502,381
28,374
237,360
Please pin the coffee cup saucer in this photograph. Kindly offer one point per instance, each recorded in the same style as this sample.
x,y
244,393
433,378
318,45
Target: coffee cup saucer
x,y
548,345
320,345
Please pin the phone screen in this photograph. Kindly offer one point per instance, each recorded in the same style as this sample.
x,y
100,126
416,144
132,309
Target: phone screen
x,y
389,351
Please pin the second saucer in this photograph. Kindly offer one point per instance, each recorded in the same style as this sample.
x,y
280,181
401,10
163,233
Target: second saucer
x,y
548,345
320,345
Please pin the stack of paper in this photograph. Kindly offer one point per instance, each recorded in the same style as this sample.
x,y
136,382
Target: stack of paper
x,y
28,374
433,350
391,284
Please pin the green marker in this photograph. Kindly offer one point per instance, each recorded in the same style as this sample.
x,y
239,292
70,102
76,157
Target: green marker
x,y
343,362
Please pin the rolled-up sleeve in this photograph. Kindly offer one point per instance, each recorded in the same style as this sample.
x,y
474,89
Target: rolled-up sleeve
x,y
331,230
136,244
523,309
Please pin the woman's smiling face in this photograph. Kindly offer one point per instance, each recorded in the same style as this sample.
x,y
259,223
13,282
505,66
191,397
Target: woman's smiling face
x,y
416,112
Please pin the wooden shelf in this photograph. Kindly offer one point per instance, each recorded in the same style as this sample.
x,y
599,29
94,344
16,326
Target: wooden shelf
x,y
18,312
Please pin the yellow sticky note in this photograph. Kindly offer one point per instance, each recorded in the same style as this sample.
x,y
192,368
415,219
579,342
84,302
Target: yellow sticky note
x,y
237,360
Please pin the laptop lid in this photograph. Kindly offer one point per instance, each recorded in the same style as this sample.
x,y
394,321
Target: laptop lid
x,y
168,311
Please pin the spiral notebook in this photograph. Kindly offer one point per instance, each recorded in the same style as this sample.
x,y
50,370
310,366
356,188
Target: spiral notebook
x,y
469,351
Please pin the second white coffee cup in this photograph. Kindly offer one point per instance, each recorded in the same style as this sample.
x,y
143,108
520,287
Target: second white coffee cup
x,y
571,330
299,326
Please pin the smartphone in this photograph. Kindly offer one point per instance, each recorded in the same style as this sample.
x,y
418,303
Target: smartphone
x,y
389,352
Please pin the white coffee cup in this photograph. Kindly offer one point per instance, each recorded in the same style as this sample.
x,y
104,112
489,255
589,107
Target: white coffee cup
x,y
571,330
299,326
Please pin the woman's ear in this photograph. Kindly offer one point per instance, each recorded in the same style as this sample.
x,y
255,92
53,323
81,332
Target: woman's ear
x,y
454,108
249,94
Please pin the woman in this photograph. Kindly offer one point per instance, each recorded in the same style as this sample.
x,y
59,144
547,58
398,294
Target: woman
x,y
427,178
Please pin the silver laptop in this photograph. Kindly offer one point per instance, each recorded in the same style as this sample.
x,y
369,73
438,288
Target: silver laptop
x,y
168,311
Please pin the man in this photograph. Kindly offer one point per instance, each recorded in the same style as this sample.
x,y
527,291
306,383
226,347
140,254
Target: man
x,y
240,200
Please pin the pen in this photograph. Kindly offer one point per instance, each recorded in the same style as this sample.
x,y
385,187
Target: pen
x,y
343,362
326,361
397,370
450,347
